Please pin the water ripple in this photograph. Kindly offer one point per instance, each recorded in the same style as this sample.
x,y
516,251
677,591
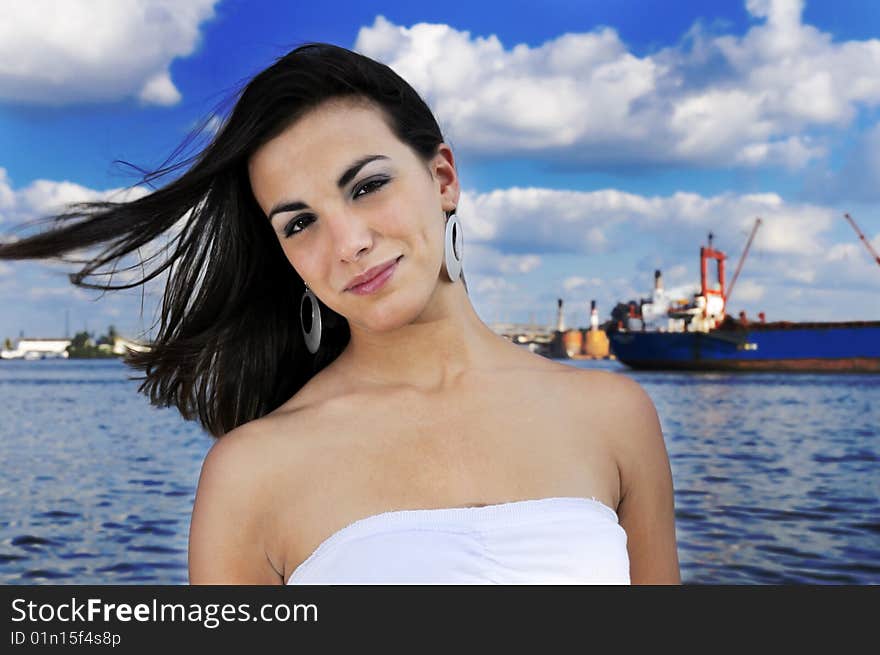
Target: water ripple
x,y
775,476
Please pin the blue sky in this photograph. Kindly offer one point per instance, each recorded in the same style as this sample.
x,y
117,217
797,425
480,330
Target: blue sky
x,y
595,141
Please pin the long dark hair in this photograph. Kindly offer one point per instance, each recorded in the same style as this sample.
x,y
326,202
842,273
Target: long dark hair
x,y
229,348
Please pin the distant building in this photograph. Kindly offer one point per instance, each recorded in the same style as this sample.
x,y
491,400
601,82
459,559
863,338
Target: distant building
x,y
35,348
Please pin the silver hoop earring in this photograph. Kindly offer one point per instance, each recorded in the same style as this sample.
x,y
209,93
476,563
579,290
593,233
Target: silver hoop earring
x,y
313,334
452,248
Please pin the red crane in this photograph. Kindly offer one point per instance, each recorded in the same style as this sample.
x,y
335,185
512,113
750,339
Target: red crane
x,y
862,237
741,260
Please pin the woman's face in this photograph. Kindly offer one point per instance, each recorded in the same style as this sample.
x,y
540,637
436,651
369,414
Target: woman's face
x,y
344,194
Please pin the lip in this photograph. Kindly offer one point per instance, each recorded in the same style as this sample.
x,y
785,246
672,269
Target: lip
x,y
373,278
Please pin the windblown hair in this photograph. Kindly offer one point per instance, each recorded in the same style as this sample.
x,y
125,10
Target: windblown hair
x,y
229,348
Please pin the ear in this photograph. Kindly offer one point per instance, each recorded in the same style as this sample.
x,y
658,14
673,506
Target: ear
x,y
445,175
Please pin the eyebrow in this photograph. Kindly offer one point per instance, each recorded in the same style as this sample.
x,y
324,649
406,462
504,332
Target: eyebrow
x,y
345,178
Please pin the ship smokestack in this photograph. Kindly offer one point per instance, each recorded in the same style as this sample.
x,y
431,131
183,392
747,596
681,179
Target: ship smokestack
x,y
658,280
560,322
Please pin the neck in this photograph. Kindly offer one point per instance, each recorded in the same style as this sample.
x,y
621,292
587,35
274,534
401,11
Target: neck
x,y
430,353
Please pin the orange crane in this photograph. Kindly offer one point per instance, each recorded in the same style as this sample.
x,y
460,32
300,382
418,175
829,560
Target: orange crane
x,y
862,237
741,260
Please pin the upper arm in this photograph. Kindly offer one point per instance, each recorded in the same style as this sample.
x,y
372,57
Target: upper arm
x,y
227,530
647,508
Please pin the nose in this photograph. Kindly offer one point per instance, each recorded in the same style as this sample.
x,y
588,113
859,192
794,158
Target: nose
x,y
351,236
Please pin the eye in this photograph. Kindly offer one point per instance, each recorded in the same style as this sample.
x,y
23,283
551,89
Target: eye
x,y
302,221
370,186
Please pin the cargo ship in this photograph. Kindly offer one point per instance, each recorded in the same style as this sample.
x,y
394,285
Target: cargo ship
x,y
667,332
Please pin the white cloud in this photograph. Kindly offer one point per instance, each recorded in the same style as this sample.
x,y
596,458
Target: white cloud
x,y
859,177
801,275
482,258
747,291
494,284
583,97
512,232
57,53
528,218
578,283
160,90
44,197
792,153
842,252
676,273
42,288
589,222
518,260
7,195
794,253
64,292
519,264
793,258
850,264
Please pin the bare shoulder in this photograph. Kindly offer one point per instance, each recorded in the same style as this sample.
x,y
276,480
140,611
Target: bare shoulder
x,y
620,407
646,510
627,415
230,531
608,402
616,388
237,453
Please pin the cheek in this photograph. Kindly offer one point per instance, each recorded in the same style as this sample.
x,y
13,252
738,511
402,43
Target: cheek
x,y
418,225
304,261
434,230
416,213
424,236
398,222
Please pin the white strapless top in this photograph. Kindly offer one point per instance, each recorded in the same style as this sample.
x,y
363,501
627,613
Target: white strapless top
x,y
561,540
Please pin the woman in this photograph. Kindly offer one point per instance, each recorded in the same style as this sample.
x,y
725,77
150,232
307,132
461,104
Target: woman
x,y
385,433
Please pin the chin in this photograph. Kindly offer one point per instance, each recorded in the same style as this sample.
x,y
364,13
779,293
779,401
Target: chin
x,y
391,316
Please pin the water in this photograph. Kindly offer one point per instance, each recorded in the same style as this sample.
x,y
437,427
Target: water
x,y
776,476
96,485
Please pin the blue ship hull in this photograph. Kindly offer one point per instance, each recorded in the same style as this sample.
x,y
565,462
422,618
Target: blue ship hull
x,y
806,347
